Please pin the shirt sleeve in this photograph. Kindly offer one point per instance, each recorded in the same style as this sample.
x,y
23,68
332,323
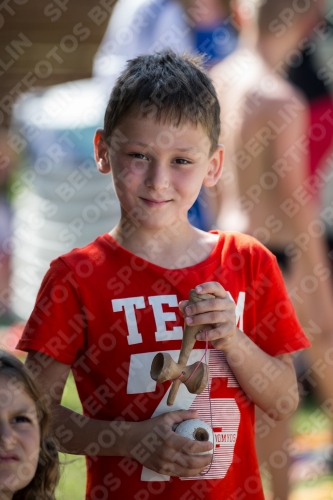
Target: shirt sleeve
x,y
277,329
56,325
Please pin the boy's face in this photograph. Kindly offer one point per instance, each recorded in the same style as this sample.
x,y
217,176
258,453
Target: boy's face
x,y
158,169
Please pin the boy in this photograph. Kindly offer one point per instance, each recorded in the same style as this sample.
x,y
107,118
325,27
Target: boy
x,y
105,310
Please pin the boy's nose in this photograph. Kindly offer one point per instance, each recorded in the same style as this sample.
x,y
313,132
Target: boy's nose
x,y
157,178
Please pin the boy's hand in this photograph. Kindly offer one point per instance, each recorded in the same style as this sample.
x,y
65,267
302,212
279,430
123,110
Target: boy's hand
x,y
154,444
217,316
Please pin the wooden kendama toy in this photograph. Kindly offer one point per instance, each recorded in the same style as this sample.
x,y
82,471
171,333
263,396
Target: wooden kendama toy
x,y
194,376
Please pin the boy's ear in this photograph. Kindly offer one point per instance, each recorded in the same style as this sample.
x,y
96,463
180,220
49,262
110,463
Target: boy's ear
x,y
215,167
101,152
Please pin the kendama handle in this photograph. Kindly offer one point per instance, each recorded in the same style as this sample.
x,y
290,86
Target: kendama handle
x,y
187,344
191,331
173,392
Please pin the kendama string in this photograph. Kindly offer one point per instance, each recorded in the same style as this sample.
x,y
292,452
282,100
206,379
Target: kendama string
x,y
195,369
209,398
210,406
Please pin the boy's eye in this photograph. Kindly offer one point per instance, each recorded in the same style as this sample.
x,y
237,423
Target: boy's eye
x,y
139,156
182,161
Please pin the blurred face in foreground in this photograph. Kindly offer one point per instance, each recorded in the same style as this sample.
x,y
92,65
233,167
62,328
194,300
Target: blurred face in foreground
x,y
19,438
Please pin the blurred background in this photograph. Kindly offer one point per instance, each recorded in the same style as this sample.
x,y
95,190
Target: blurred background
x,y
58,62
43,45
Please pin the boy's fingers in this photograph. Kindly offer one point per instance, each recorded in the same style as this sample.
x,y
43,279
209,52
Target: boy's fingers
x,y
193,447
187,452
182,304
177,454
212,319
187,446
182,464
191,453
178,470
175,417
220,333
212,287
189,465
217,305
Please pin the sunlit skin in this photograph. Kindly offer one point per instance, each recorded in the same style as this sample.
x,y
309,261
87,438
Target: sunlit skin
x,y
19,439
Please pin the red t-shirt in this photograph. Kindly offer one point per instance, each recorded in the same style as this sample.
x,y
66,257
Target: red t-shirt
x,y
320,131
107,312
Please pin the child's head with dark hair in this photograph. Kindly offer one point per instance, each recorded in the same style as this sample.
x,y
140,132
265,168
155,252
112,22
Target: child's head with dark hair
x,y
169,87
29,467
160,141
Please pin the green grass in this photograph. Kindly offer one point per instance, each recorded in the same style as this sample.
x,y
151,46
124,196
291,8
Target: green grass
x,y
73,474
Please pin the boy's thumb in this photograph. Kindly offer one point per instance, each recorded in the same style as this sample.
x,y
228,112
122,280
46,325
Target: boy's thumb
x,y
181,415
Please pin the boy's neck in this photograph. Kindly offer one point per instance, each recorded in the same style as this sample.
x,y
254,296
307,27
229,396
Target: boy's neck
x,y
173,247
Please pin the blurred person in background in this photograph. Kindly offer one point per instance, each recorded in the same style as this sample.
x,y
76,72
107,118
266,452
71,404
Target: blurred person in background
x,y
265,189
147,26
309,68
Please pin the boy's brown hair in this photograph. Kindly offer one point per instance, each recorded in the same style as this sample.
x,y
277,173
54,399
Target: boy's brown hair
x,y
167,86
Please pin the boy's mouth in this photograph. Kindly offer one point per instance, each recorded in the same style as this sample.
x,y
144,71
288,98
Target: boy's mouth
x,y
154,203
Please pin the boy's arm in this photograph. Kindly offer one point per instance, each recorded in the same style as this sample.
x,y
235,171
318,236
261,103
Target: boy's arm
x,y
269,381
151,442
